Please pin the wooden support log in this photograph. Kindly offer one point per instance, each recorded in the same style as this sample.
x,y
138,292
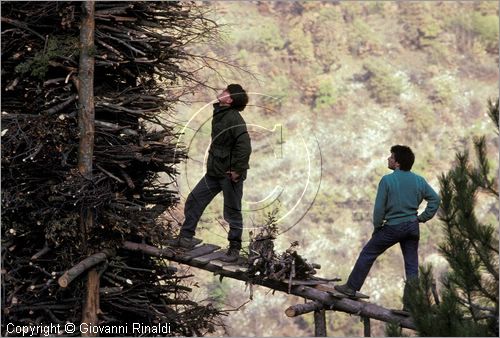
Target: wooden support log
x,y
319,323
86,117
110,290
60,106
300,309
356,307
116,127
22,25
83,266
352,306
148,249
91,306
366,326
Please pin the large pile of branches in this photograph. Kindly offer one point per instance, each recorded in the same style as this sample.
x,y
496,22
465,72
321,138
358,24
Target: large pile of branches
x,y
139,53
264,263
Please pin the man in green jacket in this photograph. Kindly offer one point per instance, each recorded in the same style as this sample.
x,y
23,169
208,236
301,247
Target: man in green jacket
x,y
395,219
227,167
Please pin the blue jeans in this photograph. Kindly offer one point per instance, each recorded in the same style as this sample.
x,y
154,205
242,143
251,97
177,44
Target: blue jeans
x,y
406,234
203,193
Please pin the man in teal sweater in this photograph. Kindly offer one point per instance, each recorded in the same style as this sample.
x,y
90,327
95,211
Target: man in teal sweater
x,y
395,219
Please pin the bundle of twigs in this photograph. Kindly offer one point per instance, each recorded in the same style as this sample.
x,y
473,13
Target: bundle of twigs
x,y
264,263
139,50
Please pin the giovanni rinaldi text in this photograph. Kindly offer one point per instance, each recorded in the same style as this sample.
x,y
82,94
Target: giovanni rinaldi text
x,y
69,328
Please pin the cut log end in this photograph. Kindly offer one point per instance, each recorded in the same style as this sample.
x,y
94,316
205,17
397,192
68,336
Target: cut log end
x,y
300,309
63,281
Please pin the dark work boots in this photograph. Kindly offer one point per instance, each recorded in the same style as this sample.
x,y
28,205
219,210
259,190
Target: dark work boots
x,y
346,290
183,242
232,254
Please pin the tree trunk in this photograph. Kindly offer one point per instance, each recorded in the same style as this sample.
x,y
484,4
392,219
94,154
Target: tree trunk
x,y
86,118
86,90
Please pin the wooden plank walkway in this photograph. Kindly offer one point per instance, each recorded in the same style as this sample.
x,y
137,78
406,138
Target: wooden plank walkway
x,y
206,257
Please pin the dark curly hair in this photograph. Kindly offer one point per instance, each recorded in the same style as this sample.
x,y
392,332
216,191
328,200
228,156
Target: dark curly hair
x,y
239,96
404,156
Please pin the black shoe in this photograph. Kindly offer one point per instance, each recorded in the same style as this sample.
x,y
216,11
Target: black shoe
x,y
345,290
231,255
183,242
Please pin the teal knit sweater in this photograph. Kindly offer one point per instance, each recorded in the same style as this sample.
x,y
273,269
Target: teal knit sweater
x,y
399,196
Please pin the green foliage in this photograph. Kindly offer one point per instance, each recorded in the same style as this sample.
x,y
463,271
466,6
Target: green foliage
x,y
469,301
438,52
486,28
383,83
430,28
362,38
219,290
420,117
439,317
460,21
375,7
264,35
327,36
443,88
394,330
329,14
301,43
493,112
421,27
487,7
327,94
57,46
476,26
280,87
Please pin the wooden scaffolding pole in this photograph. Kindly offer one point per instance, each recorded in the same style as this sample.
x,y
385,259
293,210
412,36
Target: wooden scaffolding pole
x,y
86,116
319,323
84,265
300,309
366,326
330,302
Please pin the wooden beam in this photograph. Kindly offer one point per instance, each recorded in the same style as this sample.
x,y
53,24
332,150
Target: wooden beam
x,y
91,306
86,117
149,250
86,114
366,326
300,309
201,250
83,266
319,323
356,307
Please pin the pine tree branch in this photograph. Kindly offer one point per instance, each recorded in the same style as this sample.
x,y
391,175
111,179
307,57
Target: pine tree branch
x,y
493,112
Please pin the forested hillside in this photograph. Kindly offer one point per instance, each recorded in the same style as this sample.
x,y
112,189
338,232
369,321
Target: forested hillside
x,y
334,85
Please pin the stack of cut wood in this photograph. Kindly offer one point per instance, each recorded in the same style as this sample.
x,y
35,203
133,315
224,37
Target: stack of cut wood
x,y
139,75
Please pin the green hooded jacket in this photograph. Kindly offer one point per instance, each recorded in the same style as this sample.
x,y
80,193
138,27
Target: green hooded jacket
x,y
230,148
